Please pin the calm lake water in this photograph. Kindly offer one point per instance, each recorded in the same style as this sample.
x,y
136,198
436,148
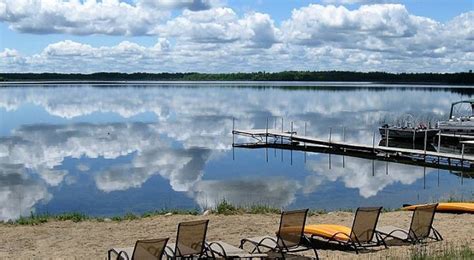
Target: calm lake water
x,y
112,149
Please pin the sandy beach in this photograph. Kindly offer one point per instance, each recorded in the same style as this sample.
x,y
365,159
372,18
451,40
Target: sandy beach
x,y
91,239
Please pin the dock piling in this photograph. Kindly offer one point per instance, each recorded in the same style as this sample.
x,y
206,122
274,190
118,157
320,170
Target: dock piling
x,y
330,132
266,133
439,140
373,143
343,134
426,140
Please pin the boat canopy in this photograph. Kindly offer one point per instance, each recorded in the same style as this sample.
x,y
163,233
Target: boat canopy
x,y
469,101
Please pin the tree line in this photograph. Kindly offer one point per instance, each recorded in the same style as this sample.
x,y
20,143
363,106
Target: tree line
x,y
383,77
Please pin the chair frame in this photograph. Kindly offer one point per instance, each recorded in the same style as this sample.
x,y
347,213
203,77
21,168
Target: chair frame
x,y
211,253
176,251
353,241
411,235
282,249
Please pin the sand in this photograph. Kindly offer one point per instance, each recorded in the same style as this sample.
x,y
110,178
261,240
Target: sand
x,y
91,239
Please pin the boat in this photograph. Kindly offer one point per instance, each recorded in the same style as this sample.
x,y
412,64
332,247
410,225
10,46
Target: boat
x,y
453,207
459,125
415,134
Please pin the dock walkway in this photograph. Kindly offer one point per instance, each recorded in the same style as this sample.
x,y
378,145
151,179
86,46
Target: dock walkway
x,y
273,136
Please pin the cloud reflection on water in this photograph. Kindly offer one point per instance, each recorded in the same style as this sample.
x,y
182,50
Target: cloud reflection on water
x,y
192,128
360,174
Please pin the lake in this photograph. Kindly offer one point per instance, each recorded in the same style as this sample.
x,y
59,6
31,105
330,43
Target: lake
x,y
107,150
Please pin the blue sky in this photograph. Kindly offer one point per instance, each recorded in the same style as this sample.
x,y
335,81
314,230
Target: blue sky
x,y
228,36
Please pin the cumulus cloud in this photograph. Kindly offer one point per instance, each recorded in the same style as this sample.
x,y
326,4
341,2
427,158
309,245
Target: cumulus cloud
x,y
217,39
354,1
19,193
359,174
194,5
275,192
42,148
222,25
111,17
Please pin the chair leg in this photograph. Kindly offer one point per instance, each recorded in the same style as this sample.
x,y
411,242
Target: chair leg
x,y
316,253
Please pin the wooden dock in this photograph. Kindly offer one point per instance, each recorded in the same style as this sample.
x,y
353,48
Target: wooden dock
x,y
276,137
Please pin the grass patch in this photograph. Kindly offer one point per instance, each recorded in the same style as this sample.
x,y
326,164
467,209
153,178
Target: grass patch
x,y
226,208
36,219
74,216
263,209
444,251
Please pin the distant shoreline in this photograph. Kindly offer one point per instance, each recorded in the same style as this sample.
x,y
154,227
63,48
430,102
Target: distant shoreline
x,y
317,77
309,84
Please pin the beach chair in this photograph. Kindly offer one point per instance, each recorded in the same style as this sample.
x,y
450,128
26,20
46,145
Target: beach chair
x,y
190,240
421,227
289,238
362,234
151,249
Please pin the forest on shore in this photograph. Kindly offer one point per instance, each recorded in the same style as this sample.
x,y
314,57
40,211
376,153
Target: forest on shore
x,y
459,78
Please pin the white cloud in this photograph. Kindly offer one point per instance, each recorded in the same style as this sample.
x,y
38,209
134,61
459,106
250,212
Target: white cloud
x,y
19,193
222,26
344,2
274,192
316,37
110,17
194,5
359,174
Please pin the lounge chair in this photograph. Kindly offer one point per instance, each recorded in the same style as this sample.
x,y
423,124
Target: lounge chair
x,y
421,227
144,249
190,240
289,238
361,235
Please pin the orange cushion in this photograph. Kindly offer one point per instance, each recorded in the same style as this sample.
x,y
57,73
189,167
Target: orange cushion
x,y
336,232
467,207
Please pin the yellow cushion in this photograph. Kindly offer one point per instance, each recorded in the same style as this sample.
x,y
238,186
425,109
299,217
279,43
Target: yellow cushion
x,y
467,207
336,232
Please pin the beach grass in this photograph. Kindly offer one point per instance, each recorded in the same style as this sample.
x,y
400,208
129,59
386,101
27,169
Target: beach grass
x,y
222,208
441,251
36,219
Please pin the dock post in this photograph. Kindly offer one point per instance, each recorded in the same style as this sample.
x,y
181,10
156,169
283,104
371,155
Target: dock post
x,y
439,140
462,155
266,142
233,138
233,130
373,143
343,134
274,139
291,133
426,139
386,137
343,140
282,125
266,133
330,132
305,142
414,135
291,144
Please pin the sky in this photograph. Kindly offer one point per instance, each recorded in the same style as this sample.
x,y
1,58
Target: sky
x,y
86,36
